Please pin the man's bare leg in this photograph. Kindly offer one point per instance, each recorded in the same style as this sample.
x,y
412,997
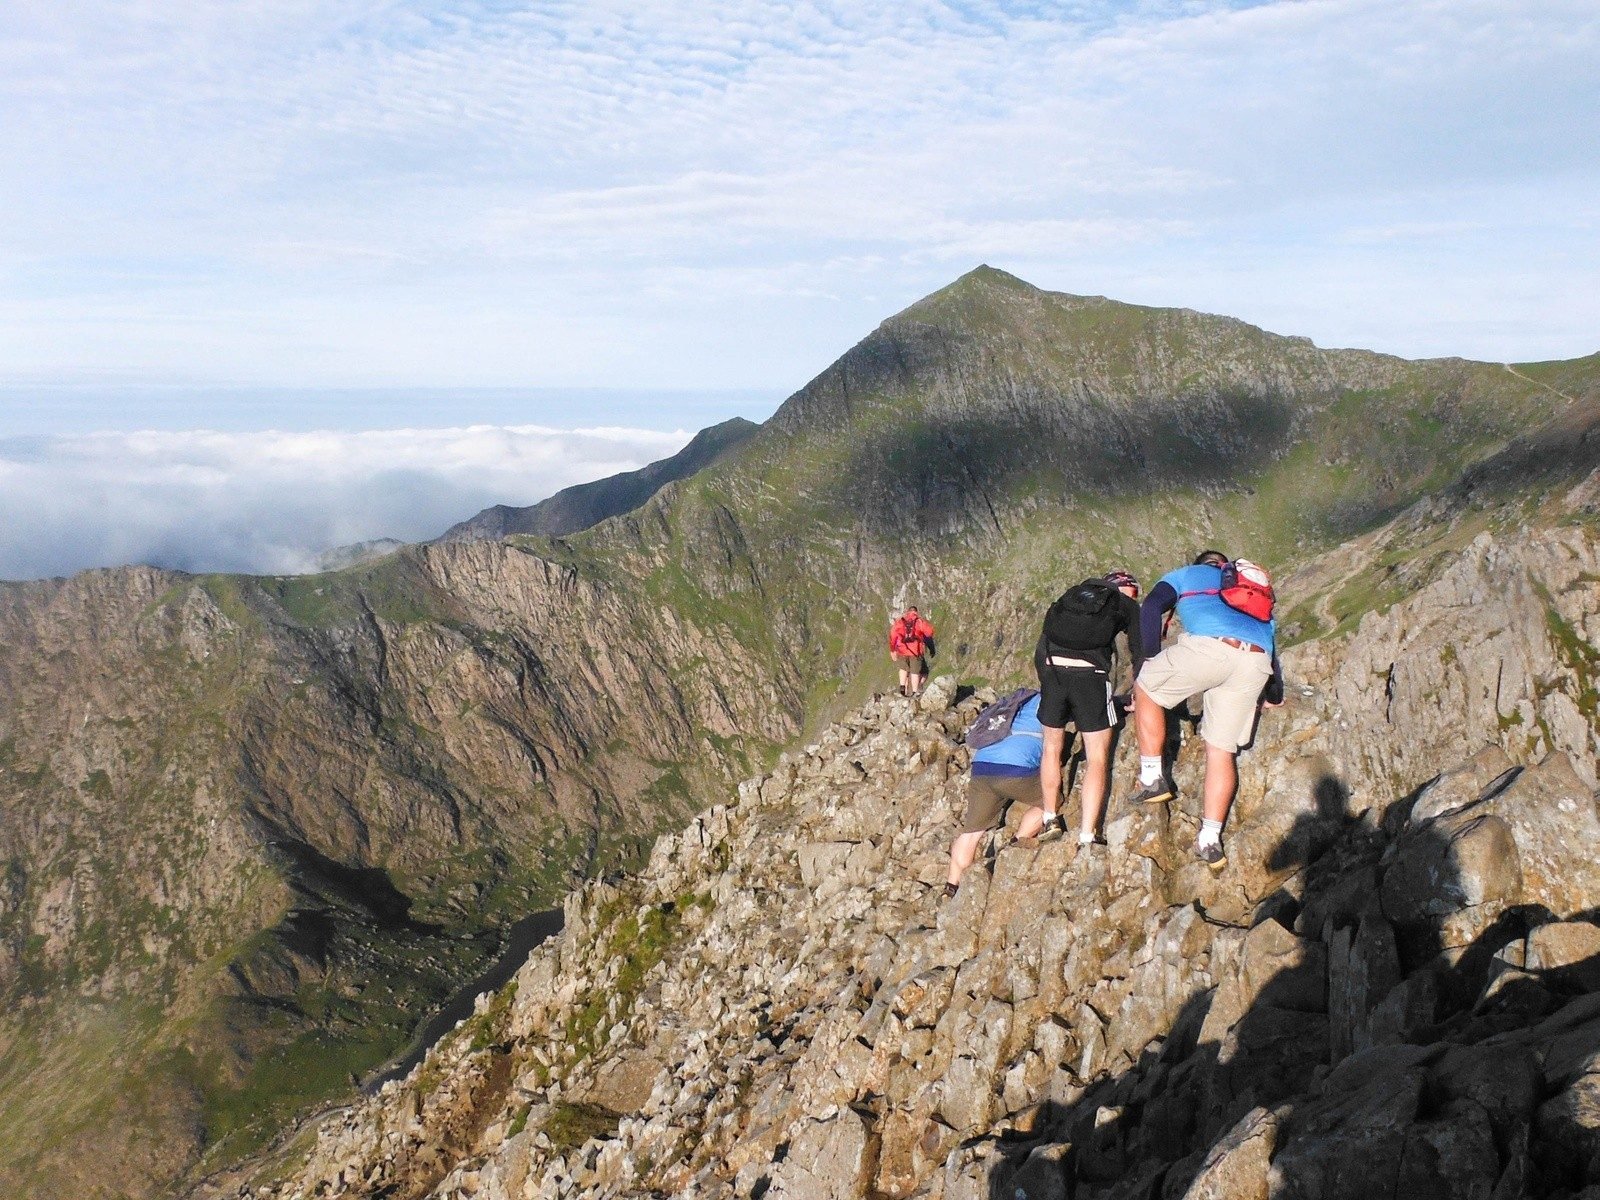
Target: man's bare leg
x,y
1055,744
1222,779
962,853
1096,780
1150,722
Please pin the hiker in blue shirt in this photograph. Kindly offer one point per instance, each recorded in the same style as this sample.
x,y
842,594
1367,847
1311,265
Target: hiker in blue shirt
x,y
1225,653
1004,773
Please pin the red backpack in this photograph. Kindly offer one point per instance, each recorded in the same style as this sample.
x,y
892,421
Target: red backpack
x,y
1245,587
910,641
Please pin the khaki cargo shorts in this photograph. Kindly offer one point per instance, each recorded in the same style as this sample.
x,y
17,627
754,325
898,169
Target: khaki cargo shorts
x,y
988,795
1229,678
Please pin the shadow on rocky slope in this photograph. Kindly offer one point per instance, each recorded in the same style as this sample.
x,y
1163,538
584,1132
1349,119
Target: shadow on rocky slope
x,y
936,472
1412,1025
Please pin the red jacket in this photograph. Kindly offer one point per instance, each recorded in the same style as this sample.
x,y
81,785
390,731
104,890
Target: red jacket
x,y
908,635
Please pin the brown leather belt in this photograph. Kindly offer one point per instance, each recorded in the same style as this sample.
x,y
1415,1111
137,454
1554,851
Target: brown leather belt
x,y
1239,644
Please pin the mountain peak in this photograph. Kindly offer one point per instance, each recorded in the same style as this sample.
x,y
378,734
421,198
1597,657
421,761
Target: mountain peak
x,y
976,291
985,275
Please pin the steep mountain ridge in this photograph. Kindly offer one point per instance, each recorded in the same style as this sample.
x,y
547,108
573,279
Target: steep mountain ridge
x,y
584,505
292,811
1389,990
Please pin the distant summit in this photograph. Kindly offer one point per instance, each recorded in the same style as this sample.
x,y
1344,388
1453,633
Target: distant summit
x,y
576,508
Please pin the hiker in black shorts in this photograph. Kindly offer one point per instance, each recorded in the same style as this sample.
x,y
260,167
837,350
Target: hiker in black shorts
x,y
1074,660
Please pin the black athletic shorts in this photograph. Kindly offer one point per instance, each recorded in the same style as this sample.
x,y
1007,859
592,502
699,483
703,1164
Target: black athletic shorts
x,y
1081,695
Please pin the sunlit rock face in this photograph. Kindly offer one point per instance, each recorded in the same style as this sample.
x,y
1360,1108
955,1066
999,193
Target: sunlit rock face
x,y
1390,986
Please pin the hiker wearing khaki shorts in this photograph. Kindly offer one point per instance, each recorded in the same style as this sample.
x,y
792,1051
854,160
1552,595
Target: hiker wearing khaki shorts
x,y
1004,772
1227,653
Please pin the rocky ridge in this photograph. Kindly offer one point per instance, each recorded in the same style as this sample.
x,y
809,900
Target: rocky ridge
x,y
584,505
256,826
1389,990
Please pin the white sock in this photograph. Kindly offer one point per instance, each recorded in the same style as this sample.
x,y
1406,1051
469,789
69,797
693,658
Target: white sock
x,y
1210,832
1085,837
1049,819
1149,768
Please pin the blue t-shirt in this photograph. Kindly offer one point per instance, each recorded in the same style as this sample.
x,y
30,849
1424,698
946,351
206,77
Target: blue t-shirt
x,y
1210,616
1018,754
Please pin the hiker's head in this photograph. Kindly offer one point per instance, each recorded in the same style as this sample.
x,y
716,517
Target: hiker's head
x,y
1211,558
1124,582
911,611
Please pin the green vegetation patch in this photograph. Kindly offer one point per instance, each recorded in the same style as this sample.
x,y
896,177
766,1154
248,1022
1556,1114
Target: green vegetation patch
x,y
571,1125
389,588
638,941
1582,659
282,1082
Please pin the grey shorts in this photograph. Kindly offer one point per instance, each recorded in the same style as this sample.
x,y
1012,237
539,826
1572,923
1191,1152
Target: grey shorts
x,y
1230,679
988,795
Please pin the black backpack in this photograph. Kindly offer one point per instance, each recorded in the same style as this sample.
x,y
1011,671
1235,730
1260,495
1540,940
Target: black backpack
x,y
993,724
1085,617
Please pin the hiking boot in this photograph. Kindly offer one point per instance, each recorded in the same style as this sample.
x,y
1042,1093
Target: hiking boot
x,y
1212,854
1158,792
950,890
1050,833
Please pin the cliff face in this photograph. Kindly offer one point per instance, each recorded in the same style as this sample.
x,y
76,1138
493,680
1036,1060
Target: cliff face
x,y
256,826
1388,990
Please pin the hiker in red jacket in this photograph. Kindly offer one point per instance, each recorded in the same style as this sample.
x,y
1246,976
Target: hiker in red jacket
x,y
909,639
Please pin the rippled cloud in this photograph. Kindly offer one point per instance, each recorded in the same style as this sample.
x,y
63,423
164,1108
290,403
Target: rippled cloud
x,y
272,503
730,192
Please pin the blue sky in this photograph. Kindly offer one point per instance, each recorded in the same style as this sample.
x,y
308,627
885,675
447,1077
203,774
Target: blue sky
x,y
726,194
288,214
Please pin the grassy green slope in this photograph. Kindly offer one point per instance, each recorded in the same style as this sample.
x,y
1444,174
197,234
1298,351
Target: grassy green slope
x,y
995,442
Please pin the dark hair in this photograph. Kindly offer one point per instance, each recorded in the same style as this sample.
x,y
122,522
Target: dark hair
x,y
1211,558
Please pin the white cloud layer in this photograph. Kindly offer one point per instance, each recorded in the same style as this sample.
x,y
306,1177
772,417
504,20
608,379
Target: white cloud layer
x,y
270,503
729,192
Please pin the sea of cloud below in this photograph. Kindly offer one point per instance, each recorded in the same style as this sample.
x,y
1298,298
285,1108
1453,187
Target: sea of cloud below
x,y
273,502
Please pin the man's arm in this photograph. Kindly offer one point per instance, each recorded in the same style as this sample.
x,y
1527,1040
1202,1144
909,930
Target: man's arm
x,y
1163,598
1272,694
1132,619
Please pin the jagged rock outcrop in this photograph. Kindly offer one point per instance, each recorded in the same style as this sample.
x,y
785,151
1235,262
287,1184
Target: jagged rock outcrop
x,y
1387,991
